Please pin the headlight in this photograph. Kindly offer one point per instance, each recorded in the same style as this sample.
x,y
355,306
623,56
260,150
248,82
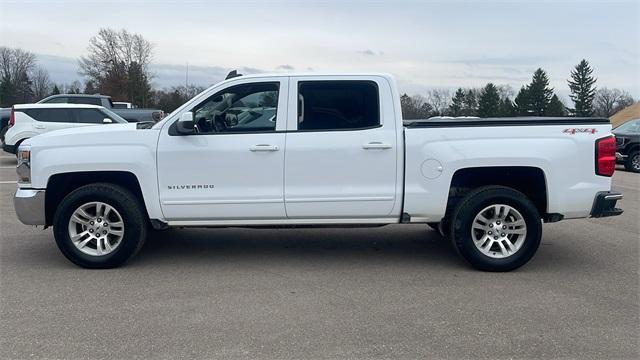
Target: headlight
x,y
24,165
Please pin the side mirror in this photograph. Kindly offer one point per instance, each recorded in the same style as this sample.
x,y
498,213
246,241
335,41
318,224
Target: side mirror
x,y
185,124
107,121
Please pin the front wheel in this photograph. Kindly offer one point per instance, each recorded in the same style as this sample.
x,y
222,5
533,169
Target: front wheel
x,y
100,226
496,228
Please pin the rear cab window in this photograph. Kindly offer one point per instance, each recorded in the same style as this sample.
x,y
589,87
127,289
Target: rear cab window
x,y
334,105
85,100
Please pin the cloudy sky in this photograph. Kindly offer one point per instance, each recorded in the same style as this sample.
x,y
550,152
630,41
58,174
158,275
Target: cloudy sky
x,y
425,44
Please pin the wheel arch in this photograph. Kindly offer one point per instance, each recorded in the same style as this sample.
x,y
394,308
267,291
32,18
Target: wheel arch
x,y
529,180
632,147
62,184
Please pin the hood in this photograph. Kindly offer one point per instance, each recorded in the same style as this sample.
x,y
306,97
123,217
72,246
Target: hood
x,y
88,135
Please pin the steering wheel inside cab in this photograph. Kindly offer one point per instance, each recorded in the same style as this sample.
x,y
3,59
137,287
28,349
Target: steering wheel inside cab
x,y
210,123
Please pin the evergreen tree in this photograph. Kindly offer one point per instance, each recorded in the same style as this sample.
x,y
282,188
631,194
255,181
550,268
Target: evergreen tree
x,y
457,103
556,107
55,90
539,93
489,101
470,103
523,102
7,93
583,90
507,108
138,86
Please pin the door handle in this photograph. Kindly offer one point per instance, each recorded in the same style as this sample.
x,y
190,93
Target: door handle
x,y
39,126
376,145
264,147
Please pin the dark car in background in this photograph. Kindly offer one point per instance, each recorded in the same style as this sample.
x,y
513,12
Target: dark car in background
x,y
628,145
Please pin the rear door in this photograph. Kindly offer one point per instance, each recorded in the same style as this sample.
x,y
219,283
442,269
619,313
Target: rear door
x,y
341,153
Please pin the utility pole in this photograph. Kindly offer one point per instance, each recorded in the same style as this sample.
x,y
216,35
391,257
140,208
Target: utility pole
x,y
186,80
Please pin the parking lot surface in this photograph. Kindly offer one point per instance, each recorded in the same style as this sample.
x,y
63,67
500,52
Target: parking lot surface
x,y
391,292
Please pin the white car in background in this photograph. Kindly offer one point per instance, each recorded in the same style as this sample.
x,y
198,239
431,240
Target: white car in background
x,y
123,105
29,120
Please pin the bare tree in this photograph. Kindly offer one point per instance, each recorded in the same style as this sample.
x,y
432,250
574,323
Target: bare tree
x,y
15,62
609,101
505,91
40,83
415,107
15,68
118,64
439,99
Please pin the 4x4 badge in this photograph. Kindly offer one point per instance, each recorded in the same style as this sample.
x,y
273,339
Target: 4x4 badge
x,y
573,131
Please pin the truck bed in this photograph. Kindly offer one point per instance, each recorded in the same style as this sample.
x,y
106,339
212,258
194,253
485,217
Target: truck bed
x,y
561,149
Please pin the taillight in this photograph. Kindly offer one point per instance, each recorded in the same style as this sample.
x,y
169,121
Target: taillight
x,y
606,156
12,117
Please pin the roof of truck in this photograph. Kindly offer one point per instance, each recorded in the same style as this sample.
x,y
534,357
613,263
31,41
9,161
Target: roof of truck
x,y
308,74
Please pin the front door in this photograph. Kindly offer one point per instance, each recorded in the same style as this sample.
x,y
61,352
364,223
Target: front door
x,y
232,168
341,150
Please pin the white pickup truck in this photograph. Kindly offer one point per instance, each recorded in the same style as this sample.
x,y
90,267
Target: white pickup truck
x,y
294,150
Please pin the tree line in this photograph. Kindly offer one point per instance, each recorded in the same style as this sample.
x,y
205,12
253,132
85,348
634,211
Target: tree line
x,y
117,64
536,98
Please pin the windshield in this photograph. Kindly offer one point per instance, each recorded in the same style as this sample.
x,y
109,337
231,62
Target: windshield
x,y
632,126
114,116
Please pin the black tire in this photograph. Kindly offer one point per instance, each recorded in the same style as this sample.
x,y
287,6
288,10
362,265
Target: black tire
x,y
472,204
17,146
133,217
628,165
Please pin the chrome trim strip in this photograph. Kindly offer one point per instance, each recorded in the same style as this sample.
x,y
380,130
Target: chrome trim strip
x,y
235,222
613,197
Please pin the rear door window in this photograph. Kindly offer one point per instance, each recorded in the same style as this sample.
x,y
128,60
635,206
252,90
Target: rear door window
x,y
337,105
51,115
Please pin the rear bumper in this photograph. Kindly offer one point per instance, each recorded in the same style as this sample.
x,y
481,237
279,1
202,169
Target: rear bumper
x,y
29,206
605,204
9,148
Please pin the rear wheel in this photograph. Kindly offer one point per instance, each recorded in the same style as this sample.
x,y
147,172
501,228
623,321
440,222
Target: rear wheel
x,y
100,226
633,162
496,228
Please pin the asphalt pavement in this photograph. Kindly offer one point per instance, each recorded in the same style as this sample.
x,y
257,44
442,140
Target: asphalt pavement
x,y
392,292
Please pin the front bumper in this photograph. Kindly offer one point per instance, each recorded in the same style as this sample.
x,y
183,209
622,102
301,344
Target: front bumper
x,y
29,206
11,149
605,204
